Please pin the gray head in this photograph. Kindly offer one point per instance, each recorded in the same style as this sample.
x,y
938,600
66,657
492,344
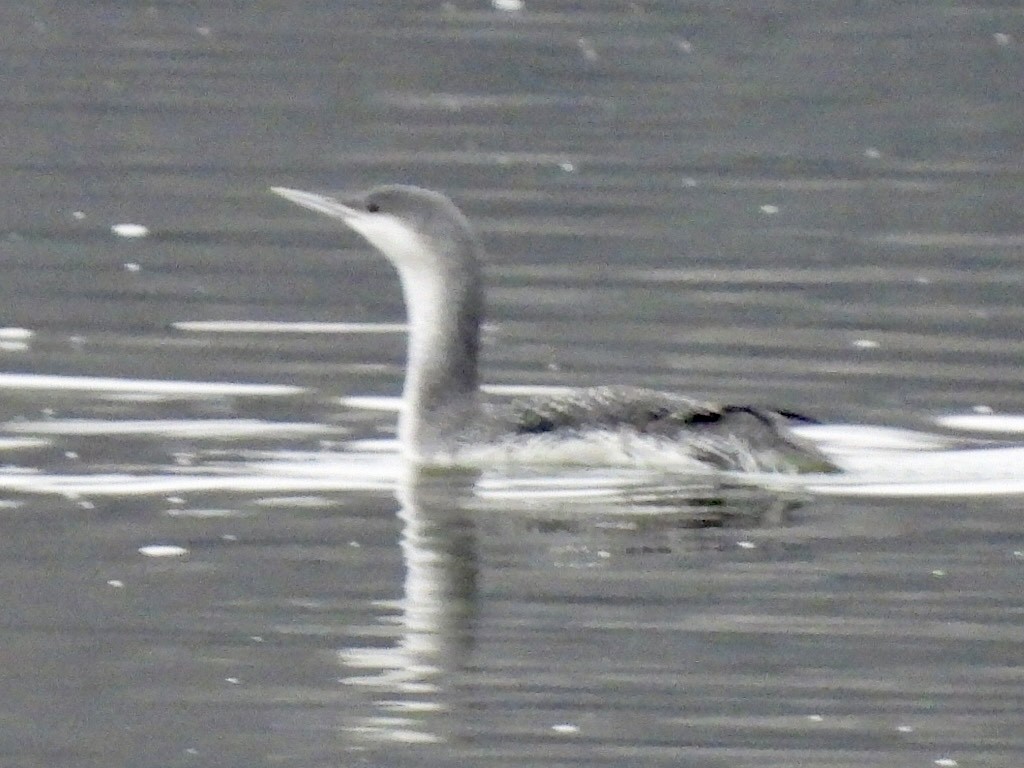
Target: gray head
x,y
411,226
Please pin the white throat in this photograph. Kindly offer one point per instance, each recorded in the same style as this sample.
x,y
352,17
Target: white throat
x,y
444,304
402,245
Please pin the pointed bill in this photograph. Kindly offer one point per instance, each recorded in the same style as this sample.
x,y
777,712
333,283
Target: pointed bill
x,y
319,203
386,232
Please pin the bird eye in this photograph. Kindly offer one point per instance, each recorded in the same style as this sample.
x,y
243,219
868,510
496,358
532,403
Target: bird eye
x,y
372,207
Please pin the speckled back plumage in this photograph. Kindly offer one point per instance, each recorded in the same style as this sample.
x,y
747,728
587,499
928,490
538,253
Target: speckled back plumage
x,y
726,437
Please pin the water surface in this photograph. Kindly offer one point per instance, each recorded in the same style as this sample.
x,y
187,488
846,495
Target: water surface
x,y
211,556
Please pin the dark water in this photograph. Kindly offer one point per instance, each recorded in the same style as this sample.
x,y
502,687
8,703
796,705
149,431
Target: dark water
x,y
809,205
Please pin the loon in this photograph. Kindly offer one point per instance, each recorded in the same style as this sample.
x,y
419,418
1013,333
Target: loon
x,y
447,421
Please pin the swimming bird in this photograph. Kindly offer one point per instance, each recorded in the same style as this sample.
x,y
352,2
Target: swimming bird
x,y
446,419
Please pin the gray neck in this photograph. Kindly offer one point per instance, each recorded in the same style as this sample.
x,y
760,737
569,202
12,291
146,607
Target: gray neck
x,y
445,307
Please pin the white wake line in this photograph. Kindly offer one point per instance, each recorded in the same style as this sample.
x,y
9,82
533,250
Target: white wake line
x,y
19,443
877,462
308,473
993,423
859,438
195,428
107,485
892,473
74,486
33,381
922,490
260,326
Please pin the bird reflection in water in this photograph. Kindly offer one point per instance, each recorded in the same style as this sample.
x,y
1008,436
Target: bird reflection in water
x,y
462,530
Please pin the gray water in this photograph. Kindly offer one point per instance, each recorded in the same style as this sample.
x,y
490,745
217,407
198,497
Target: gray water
x,y
805,205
